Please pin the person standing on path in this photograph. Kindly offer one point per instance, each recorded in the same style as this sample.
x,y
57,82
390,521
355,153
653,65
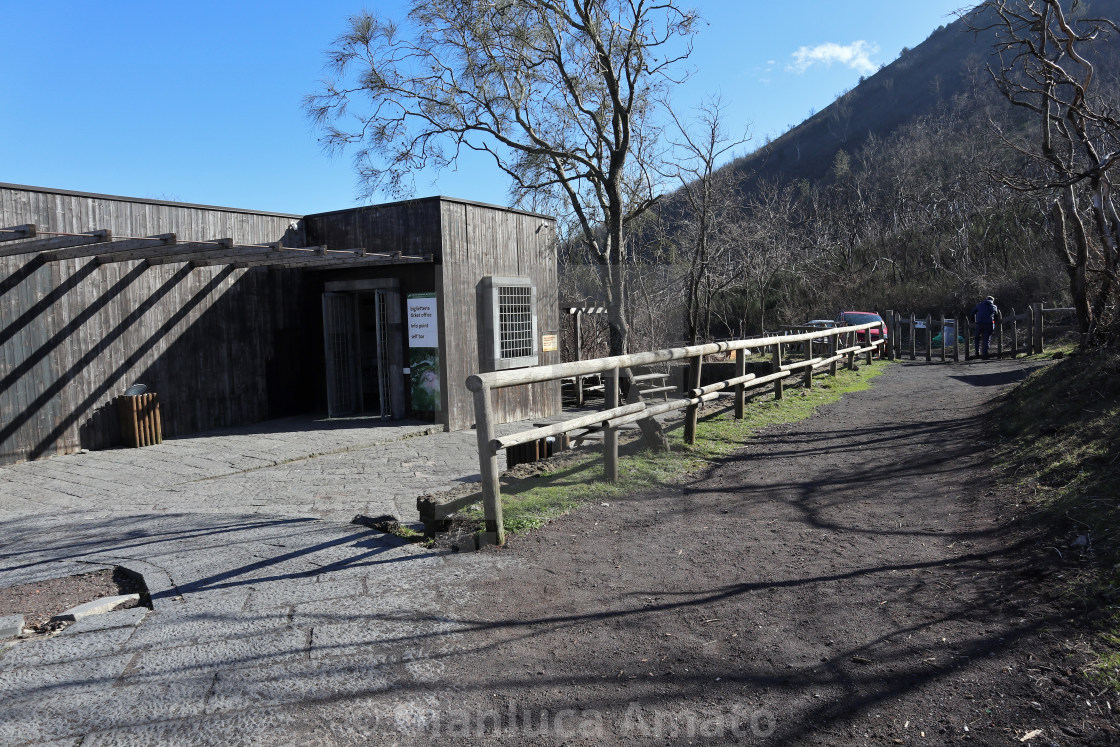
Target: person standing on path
x,y
986,314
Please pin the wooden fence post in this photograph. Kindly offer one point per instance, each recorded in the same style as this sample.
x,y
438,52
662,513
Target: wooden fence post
x,y
850,342
956,340
913,338
929,338
579,356
899,351
694,365
488,465
610,435
999,335
740,389
967,338
889,318
808,380
1039,329
944,342
1014,335
833,346
776,367
1030,329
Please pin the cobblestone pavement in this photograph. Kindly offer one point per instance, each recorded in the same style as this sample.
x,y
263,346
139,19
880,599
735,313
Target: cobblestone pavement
x,y
295,466
274,619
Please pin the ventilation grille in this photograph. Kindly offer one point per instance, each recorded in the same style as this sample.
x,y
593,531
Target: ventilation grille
x,y
515,321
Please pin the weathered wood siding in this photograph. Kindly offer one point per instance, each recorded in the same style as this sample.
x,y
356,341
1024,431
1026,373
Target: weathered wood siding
x,y
480,241
468,241
410,227
214,342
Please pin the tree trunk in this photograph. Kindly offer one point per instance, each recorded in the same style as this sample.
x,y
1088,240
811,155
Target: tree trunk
x,y
1076,260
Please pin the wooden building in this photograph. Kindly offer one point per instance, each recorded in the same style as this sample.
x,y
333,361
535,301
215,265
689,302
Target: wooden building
x,y
235,316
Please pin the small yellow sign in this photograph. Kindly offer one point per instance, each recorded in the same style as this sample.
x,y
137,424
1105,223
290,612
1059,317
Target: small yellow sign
x,y
548,343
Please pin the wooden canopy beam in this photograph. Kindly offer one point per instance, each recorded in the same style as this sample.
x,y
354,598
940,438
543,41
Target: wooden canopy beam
x,y
297,260
93,250
236,253
58,242
14,233
187,251
370,260
241,254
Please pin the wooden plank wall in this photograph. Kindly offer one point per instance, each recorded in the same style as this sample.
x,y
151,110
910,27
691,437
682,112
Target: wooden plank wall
x,y
410,227
73,335
478,241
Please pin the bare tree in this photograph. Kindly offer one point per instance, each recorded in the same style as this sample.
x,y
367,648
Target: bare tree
x,y
563,95
1046,68
709,204
770,241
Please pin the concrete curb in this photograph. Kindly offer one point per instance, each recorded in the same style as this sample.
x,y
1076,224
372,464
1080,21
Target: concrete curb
x,y
11,626
96,607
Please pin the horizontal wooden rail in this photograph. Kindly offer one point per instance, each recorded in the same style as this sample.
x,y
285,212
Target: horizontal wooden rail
x,y
555,429
614,416
801,364
537,374
749,381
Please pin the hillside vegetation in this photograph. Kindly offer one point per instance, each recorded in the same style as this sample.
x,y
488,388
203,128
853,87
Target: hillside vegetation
x,y
894,196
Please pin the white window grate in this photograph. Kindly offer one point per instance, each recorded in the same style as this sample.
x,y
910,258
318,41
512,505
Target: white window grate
x,y
515,321
509,318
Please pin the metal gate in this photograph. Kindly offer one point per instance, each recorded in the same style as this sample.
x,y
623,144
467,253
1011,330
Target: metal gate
x,y
340,341
383,298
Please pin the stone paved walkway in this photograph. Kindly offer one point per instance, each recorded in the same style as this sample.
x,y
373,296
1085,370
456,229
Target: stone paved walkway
x,y
274,619
330,470
264,595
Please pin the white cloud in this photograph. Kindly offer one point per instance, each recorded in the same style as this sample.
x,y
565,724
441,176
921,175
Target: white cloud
x,y
856,55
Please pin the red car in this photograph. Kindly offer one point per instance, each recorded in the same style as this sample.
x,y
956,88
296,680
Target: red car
x,y
852,318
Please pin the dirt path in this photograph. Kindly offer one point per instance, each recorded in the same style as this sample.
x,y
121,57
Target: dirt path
x,y
852,579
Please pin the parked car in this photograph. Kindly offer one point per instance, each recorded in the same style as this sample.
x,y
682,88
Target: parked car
x,y
822,323
850,318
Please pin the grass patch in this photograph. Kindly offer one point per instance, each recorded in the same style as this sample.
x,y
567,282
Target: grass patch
x,y
1061,430
1060,433
528,503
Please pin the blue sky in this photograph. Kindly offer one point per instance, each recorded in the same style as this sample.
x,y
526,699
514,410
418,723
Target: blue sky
x,y
200,102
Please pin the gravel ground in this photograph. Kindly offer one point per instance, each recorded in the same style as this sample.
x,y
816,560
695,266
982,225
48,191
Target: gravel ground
x,y
856,578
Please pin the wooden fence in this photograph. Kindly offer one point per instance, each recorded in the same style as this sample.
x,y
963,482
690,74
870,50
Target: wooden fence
x,y
1011,328
839,343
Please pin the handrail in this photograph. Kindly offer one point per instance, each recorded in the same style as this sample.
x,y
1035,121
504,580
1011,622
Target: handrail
x,y
537,374
614,415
